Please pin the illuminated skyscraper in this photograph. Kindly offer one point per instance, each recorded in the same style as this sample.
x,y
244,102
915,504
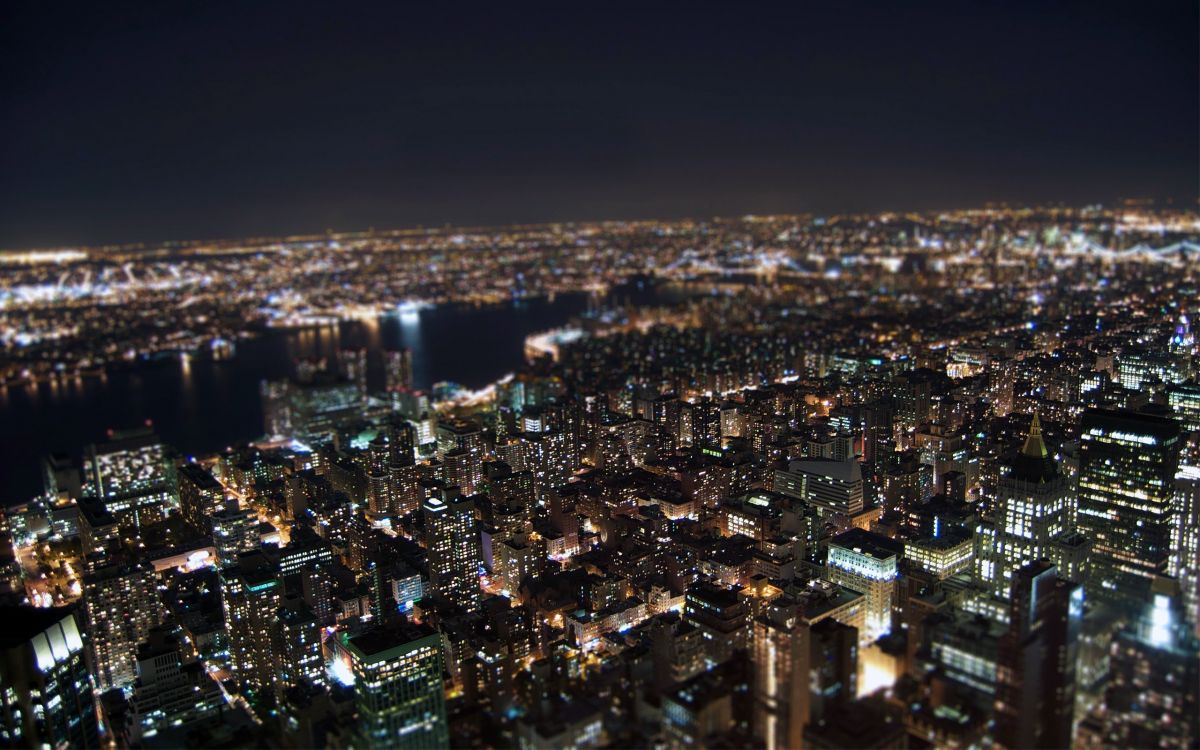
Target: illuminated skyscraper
x,y
397,675
1032,510
398,369
1185,543
464,470
45,694
1153,694
1035,666
200,496
234,531
867,563
133,477
172,690
1126,486
121,605
299,646
453,544
251,596
379,481
804,661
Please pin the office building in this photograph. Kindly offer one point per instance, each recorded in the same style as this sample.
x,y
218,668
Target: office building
x,y
1127,472
868,563
1035,669
832,486
396,670
46,699
1032,511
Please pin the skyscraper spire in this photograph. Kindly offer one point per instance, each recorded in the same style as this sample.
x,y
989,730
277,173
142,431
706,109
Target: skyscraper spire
x,y
1035,447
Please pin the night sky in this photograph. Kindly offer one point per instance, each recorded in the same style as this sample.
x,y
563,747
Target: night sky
x,y
172,120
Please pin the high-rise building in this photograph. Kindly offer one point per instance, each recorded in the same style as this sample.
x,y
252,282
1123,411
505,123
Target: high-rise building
x,y
397,674
251,595
868,563
299,646
721,616
714,708
804,662
353,366
379,480
45,694
234,532
171,690
464,470
304,550
454,547
459,434
200,496
550,458
405,480
1032,510
132,475
1184,400
1185,543
398,369
121,606
1152,698
1035,669
1127,472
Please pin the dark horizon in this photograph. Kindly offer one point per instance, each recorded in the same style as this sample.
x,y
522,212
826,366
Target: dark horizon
x,y
1151,203
195,122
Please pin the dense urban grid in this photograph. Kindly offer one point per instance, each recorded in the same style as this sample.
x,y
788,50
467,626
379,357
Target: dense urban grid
x,y
904,480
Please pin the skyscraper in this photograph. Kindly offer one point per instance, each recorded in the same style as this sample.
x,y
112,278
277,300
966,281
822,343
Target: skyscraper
x,y
1126,486
200,496
464,470
1032,509
379,482
454,549
398,369
46,700
121,606
133,477
171,689
1185,543
1153,695
234,531
397,672
868,563
1035,669
251,596
804,662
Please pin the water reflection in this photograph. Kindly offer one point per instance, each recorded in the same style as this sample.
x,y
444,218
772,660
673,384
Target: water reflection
x,y
201,404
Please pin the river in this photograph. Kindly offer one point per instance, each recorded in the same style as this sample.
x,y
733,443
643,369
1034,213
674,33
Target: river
x,y
202,405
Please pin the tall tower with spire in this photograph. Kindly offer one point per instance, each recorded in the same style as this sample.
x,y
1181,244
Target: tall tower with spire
x,y
1033,512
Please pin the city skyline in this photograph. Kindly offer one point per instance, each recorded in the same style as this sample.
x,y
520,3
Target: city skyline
x,y
346,401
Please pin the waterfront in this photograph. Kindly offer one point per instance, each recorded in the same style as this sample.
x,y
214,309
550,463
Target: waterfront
x,y
201,405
